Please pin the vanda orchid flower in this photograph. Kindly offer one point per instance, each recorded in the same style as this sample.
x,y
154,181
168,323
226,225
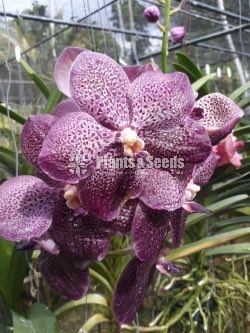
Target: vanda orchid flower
x,y
109,116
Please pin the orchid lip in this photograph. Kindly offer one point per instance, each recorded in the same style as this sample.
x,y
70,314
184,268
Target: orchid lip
x,y
132,144
71,197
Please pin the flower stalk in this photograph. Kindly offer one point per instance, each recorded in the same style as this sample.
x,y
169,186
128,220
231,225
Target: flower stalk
x,y
164,50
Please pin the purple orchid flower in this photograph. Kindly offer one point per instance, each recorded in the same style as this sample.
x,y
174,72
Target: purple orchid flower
x,y
115,117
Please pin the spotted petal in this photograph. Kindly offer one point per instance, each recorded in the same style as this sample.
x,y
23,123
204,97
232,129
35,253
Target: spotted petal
x,y
220,115
205,170
81,236
26,207
177,224
149,229
160,100
164,190
131,289
62,68
33,134
99,86
72,145
187,140
64,275
106,191
123,223
64,108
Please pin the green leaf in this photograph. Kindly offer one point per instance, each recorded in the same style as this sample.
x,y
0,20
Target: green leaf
x,y
36,78
206,243
183,69
239,91
87,299
190,66
96,319
242,130
22,325
202,81
101,279
54,98
39,320
244,102
13,114
42,318
216,207
8,162
232,221
13,269
230,249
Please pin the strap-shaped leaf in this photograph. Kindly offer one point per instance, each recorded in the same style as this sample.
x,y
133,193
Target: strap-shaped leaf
x,y
215,208
54,98
230,249
206,243
13,114
87,299
96,319
197,85
35,78
239,91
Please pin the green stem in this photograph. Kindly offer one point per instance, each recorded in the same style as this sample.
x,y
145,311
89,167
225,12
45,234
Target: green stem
x,y
164,49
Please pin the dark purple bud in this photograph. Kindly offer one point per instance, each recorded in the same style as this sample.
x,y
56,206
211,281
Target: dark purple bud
x,y
152,14
177,34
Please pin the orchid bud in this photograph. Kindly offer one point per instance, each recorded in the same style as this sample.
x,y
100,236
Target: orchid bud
x,y
177,34
152,14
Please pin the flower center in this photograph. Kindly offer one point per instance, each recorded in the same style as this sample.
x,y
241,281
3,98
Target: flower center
x,y
131,142
191,190
71,197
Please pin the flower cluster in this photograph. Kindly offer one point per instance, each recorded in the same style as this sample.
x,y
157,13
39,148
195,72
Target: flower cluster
x,y
71,208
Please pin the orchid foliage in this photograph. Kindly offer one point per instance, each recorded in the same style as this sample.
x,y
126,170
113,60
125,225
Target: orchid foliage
x,y
71,209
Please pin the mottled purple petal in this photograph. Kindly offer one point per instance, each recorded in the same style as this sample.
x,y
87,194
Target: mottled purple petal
x,y
81,236
33,134
164,190
205,170
64,108
148,231
123,223
220,115
72,145
136,70
64,275
99,86
178,221
131,289
160,100
106,191
26,207
62,68
188,140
